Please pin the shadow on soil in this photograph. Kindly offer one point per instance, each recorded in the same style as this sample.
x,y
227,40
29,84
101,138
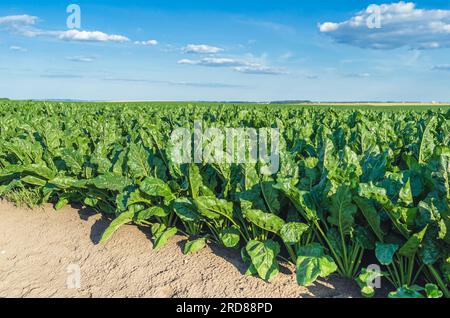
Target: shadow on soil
x,y
232,256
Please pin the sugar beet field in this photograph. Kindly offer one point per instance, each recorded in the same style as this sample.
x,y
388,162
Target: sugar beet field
x,y
359,191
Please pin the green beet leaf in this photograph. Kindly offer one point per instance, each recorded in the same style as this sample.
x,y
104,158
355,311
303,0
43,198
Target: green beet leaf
x,y
230,236
312,263
291,232
194,246
156,187
385,252
267,221
263,257
122,219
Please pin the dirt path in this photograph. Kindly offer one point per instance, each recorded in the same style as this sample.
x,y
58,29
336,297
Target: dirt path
x,y
38,247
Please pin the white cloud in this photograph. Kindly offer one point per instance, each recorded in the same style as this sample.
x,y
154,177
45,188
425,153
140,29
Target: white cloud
x,y
259,69
201,49
357,75
213,61
402,24
89,36
19,24
147,43
23,19
24,25
17,48
241,66
81,58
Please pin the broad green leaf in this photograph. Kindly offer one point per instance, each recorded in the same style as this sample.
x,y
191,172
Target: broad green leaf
x,y
62,201
186,210
342,210
427,143
194,246
195,180
39,170
270,194
122,219
267,221
214,208
73,159
156,187
230,236
89,201
410,248
251,270
370,191
312,263
150,212
405,195
291,232
442,176
301,199
138,161
263,257
162,237
430,251
385,252
364,236
109,182
34,181
157,229
64,182
371,215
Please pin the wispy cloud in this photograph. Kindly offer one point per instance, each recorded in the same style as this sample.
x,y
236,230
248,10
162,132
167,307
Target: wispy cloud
x,y
23,19
17,48
213,61
174,83
25,26
402,24
61,75
260,69
147,43
238,65
201,49
357,75
81,58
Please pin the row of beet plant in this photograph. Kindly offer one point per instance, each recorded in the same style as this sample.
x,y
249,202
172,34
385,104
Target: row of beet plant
x,y
354,188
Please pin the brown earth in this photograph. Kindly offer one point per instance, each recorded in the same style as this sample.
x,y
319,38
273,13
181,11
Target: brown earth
x,y
39,249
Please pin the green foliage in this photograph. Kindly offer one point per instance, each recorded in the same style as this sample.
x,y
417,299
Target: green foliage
x,y
352,182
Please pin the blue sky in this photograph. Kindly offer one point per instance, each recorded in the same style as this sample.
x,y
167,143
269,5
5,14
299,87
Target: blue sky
x,y
226,50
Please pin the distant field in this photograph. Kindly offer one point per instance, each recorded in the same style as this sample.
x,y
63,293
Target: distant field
x,y
172,105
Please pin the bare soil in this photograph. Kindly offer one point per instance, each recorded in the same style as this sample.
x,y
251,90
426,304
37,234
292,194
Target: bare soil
x,y
40,249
